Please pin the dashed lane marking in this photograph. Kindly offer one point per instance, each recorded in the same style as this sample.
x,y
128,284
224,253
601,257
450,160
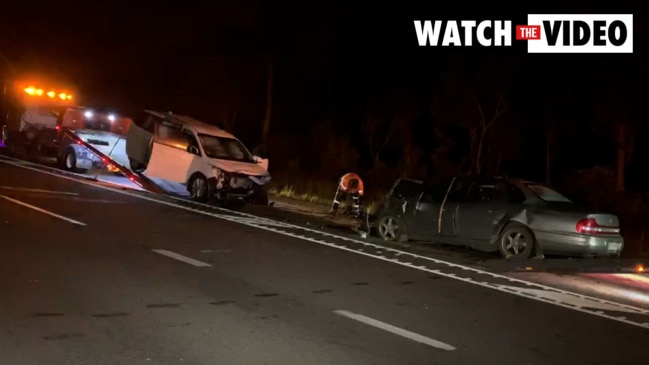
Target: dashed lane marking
x,y
41,210
634,316
33,190
395,330
179,257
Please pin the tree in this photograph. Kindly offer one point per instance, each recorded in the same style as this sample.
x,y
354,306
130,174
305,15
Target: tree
x,y
229,117
474,100
504,143
333,149
614,121
468,112
441,155
614,116
550,126
386,122
270,71
378,131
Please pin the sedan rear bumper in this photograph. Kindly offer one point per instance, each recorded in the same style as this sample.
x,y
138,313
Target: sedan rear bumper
x,y
579,244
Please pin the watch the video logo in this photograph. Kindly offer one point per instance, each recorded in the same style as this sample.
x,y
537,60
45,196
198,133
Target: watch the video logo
x,y
544,33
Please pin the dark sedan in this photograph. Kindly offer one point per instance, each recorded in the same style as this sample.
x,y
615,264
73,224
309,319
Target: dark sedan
x,y
519,218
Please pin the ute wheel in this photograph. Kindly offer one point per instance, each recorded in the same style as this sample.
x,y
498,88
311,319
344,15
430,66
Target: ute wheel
x,y
391,229
198,188
516,241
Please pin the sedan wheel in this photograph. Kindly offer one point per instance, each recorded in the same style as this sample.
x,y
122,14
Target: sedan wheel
x,y
389,229
516,241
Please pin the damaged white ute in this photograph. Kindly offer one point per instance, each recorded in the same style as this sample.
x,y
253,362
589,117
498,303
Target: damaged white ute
x,y
212,163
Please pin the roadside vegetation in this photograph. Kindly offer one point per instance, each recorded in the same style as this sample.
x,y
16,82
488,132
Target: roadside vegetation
x,y
582,136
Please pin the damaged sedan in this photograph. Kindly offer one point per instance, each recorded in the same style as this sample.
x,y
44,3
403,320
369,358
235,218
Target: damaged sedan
x,y
518,218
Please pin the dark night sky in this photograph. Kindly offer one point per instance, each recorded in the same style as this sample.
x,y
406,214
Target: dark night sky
x,y
330,56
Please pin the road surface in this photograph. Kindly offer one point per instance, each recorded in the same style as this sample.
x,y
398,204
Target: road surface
x,y
90,275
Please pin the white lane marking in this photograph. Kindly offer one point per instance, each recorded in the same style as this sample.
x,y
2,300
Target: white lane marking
x,y
216,251
38,190
41,210
103,201
386,250
179,257
395,330
81,200
568,299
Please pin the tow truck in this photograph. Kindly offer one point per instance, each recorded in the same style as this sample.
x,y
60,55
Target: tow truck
x,y
42,119
29,116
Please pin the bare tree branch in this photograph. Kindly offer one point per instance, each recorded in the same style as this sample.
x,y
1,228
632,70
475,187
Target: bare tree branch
x,y
501,108
599,131
477,103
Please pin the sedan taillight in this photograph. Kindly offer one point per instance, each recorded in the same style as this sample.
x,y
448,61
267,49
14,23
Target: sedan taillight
x,y
590,226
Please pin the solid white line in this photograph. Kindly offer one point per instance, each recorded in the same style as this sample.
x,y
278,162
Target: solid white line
x,y
395,330
185,259
38,190
385,250
42,210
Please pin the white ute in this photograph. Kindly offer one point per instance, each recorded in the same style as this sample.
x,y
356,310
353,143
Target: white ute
x,y
211,163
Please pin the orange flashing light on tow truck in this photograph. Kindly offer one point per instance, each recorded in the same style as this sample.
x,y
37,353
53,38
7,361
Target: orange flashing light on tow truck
x,y
34,91
29,110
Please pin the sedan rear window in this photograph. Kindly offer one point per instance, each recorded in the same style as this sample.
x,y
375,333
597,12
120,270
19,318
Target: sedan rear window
x,y
547,194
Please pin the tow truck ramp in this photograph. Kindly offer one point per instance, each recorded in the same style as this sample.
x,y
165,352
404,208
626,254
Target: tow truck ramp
x,y
139,179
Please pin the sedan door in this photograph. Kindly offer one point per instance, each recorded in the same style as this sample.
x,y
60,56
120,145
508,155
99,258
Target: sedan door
x,y
487,203
434,214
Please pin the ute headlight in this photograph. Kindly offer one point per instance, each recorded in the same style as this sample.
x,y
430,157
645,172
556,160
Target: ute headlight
x,y
88,114
111,117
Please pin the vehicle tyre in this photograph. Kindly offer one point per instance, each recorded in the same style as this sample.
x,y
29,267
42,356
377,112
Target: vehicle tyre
x,y
11,148
391,228
260,195
5,135
516,241
13,144
70,160
198,188
135,166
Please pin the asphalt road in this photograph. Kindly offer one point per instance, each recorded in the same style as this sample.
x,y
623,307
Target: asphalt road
x,y
91,276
